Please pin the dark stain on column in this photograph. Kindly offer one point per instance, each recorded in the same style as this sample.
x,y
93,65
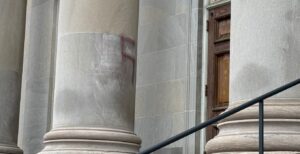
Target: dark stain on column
x,y
125,41
291,51
251,81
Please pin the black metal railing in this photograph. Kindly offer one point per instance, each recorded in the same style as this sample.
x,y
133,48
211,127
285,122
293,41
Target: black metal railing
x,y
226,114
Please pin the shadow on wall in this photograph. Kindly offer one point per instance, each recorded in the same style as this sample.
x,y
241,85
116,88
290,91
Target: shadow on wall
x,y
256,77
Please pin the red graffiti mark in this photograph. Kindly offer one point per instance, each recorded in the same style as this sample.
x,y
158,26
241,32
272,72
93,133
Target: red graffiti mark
x,y
127,55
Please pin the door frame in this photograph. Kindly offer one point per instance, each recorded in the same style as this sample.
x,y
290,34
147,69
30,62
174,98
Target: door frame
x,y
206,7
216,47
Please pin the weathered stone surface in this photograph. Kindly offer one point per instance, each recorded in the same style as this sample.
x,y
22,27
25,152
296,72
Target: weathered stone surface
x,y
89,140
37,78
9,105
264,55
168,67
94,88
95,83
111,16
240,131
268,54
12,26
94,92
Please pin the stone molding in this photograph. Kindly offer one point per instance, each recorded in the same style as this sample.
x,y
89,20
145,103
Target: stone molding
x,y
90,140
286,108
218,4
239,133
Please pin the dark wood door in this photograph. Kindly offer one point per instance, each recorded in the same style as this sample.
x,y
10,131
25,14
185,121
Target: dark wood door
x,y
218,64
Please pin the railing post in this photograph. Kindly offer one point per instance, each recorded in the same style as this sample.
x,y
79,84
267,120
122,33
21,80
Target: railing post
x,y
261,127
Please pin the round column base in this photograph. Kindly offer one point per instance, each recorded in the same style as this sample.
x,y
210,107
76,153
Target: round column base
x,y
90,141
270,152
248,143
10,149
238,134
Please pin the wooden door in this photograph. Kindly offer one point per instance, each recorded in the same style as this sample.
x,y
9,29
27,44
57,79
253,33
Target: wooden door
x,y
218,64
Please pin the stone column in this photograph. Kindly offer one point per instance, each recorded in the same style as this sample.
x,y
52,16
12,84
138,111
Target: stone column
x,y
265,54
94,92
37,76
12,27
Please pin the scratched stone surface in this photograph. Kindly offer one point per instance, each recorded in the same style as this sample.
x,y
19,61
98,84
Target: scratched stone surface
x,y
94,82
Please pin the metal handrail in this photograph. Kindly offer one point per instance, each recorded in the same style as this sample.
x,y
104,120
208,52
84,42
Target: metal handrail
x,y
226,114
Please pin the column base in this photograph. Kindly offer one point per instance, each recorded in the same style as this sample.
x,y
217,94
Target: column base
x,y
90,141
238,134
270,152
10,149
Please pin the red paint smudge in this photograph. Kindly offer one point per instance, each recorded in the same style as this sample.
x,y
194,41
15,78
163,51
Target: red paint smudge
x,y
126,55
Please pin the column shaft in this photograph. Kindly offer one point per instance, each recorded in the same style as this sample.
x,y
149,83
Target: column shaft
x,y
265,53
95,78
37,76
12,26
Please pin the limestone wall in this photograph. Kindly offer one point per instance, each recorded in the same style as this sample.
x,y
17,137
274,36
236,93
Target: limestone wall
x,y
167,69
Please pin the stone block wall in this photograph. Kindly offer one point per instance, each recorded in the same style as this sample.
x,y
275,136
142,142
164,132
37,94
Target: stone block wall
x,y
167,67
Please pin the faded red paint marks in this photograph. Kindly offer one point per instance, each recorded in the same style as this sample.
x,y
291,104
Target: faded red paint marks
x,y
127,56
